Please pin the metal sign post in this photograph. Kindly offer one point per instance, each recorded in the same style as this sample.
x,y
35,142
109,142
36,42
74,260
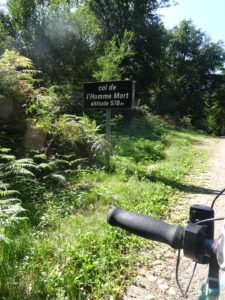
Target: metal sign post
x,y
108,95
108,135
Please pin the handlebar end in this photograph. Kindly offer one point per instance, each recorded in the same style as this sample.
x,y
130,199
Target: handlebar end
x,y
111,216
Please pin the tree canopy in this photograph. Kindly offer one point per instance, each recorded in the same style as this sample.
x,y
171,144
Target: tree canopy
x,y
70,42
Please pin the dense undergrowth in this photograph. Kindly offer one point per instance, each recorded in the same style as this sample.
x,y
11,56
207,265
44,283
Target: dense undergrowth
x,y
62,247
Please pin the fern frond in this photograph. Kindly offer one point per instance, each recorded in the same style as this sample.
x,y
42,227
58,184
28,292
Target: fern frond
x,y
8,193
67,156
13,209
68,172
77,161
10,206
10,221
54,164
25,162
33,72
3,186
40,157
58,177
4,238
45,166
17,171
59,162
100,145
8,201
7,157
18,167
5,150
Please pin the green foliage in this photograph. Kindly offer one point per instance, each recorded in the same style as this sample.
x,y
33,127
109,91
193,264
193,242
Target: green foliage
x,y
89,26
17,79
71,245
191,63
140,149
75,41
140,18
81,268
10,206
16,73
215,111
115,52
51,35
62,133
6,39
79,135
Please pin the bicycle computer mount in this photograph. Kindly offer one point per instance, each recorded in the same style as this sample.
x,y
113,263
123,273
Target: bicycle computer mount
x,y
195,234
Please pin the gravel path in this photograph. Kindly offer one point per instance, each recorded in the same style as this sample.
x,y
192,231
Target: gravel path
x,y
156,281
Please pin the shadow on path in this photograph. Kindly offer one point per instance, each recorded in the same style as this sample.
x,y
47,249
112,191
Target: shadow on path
x,y
187,188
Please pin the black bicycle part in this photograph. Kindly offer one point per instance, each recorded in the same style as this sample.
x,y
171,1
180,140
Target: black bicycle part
x,y
196,240
147,227
213,274
193,240
200,213
196,234
217,196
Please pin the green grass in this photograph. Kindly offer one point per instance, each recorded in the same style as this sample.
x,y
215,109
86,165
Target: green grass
x,y
72,253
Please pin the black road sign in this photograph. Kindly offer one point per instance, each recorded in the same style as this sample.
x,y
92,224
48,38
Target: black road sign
x,y
109,94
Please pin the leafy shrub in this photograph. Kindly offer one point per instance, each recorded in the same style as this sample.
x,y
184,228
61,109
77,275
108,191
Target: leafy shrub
x,y
16,89
115,51
127,167
186,122
16,74
140,150
215,112
143,124
10,206
79,135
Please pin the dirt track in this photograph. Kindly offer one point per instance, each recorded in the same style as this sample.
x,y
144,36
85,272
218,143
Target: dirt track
x,y
157,280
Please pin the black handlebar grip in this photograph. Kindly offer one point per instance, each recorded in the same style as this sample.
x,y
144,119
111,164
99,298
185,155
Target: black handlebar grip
x,y
147,227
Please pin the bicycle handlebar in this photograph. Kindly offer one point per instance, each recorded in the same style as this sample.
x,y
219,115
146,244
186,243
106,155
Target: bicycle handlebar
x,y
195,240
147,227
